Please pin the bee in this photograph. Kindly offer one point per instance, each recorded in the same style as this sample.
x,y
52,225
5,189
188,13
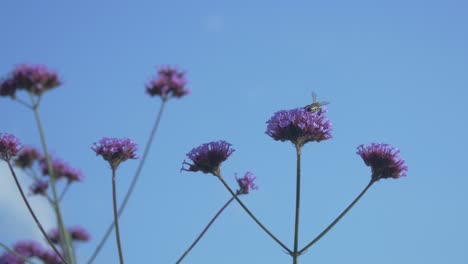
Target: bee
x,y
315,106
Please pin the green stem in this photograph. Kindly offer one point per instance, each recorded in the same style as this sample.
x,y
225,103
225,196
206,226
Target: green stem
x,y
16,253
116,217
329,227
64,191
32,212
298,203
218,174
132,184
65,240
204,230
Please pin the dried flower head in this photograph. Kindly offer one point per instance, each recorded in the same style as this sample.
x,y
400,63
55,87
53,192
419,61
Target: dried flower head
x,y
208,157
384,161
33,78
27,157
115,150
299,126
10,146
39,187
246,183
169,82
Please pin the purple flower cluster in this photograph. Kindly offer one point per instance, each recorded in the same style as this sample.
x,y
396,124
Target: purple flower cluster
x,y
33,78
299,126
208,157
39,187
27,157
61,170
246,183
384,161
10,146
115,150
77,233
169,82
29,249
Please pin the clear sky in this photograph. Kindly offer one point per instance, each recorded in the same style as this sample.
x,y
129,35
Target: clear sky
x,y
394,71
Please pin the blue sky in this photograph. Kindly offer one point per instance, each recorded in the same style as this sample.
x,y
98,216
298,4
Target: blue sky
x,y
394,72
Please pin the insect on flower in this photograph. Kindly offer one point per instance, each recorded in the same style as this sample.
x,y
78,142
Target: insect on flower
x,y
315,106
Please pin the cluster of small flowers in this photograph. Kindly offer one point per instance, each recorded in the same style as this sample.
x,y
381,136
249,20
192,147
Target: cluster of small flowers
x,y
115,150
169,82
29,249
34,78
77,233
61,170
9,146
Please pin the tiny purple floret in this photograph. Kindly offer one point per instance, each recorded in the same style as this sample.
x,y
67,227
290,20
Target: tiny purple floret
x,y
10,146
115,150
384,161
299,126
246,183
208,157
169,82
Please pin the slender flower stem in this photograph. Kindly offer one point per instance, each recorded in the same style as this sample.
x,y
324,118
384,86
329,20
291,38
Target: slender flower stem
x,y
65,240
132,184
23,103
32,212
16,253
204,230
64,191
116,217
329,227
251,215
298,202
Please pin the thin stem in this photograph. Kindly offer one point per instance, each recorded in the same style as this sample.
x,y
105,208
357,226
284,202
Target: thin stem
x,y
116,217
132,184
204,230
64,191
298,202
329,227
252,216
65,238
23,103
32,212
15,253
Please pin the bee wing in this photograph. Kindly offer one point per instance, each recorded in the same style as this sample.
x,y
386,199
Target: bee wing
x,y
322,103
314,97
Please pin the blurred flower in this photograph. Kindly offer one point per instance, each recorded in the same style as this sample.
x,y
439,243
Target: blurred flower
x,y
9,146
299,126
33,78
208,157
79,234
28,248
10,258
169,82
115,150
39,187
246,183
384,161
61,169
50,257
27,156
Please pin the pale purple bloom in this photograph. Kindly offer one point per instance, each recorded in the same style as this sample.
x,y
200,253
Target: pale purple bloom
x,y
169,82
33,78
61,169
28,248
10,258
54,235
10,146
78,233
27,157
50,257
299,126
39,187
384,161
208,157
246,183
115,150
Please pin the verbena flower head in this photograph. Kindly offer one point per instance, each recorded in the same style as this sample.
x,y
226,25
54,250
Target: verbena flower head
x,y
246,183
33,78
10,258
27,157
115,150
61,170
169,82
10,146
77,233
39,187
383,160
28,248
49,256
208,157
299,126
